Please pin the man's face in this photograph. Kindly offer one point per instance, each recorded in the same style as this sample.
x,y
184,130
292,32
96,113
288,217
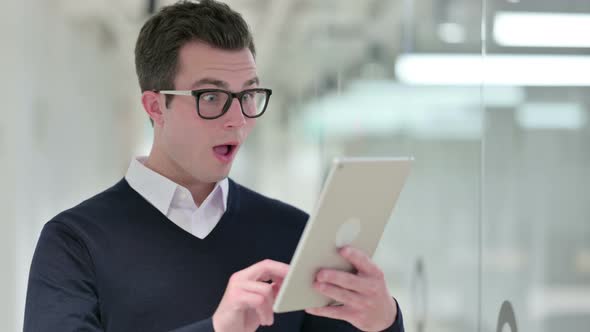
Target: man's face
x,y
198,149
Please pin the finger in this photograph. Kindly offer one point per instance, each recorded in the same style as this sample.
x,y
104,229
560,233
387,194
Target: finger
x,y
276,287
265,290
266,270
344,296
258,287
346,280
265,313
361,261
253,301
334,312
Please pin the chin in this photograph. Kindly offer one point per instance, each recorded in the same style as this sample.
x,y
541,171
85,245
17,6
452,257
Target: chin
x,y
219,175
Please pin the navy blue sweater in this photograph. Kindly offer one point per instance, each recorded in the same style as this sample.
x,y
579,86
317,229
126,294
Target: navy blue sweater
x,y
115,263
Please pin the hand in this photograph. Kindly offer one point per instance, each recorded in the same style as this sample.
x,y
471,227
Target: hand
x,y
248,299
365,299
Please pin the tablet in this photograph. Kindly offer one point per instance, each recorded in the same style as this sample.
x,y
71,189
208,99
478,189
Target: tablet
x,y
355,204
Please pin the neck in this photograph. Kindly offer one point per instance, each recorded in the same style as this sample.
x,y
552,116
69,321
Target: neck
x,y
167,168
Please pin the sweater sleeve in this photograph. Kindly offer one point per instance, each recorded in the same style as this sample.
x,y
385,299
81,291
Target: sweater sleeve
x,y
316,324
61,294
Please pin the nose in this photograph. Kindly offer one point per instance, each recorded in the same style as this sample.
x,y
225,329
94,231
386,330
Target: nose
x,y
234,116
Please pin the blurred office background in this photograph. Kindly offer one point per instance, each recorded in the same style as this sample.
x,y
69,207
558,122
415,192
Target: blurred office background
x,y
491,97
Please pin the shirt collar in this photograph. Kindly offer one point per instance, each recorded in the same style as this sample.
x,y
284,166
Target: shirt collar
x,y
160,191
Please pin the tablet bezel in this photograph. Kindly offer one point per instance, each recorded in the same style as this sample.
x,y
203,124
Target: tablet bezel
x,y
291,296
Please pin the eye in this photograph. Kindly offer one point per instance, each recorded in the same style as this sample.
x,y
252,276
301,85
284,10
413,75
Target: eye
x,y
210,97
248,95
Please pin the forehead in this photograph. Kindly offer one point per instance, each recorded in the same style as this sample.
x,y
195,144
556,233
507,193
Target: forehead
x,y
199,60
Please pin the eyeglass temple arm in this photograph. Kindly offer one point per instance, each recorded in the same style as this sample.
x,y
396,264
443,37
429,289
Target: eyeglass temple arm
x,y
176,92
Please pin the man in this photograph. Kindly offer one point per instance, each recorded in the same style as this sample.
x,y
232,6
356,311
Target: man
x,y
176,245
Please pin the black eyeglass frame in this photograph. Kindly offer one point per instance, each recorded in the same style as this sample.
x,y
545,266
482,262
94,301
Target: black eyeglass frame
x,y
231,95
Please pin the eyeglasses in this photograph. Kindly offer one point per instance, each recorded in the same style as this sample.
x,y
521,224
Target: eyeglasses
x,y
213,103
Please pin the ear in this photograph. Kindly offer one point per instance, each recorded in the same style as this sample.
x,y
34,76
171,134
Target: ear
x,y
153,104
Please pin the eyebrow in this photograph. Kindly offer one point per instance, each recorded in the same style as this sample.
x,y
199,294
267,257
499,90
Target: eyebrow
x,y
223,84
254,81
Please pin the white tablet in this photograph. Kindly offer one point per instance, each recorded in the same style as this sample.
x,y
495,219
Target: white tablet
x,y
356,202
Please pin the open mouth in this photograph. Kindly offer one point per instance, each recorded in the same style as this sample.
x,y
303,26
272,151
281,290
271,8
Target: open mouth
x,y
224,152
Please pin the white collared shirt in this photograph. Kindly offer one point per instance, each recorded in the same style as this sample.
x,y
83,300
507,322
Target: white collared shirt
x,y
176,202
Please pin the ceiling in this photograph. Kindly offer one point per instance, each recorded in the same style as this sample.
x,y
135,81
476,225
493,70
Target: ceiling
x,y
311,46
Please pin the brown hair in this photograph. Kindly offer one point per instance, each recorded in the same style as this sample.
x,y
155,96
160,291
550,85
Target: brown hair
x,y
162,36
